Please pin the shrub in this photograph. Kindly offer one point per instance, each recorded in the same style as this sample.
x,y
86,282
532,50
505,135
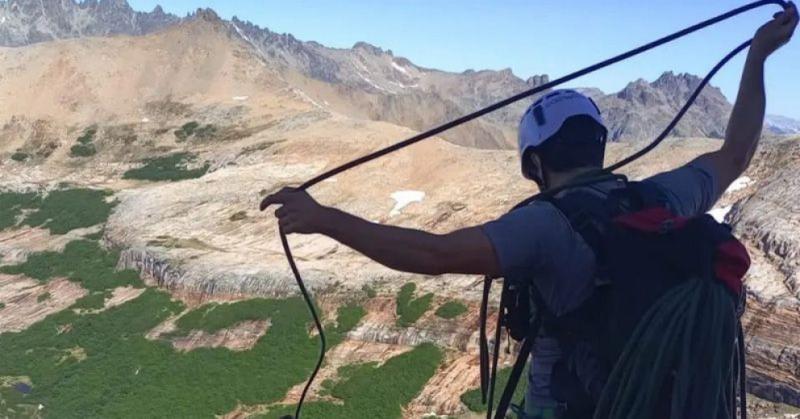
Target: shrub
x,y
369,291
410,310
348,317
451,309
372,391
43,297
186,131
172,167
472,398
20,156
92,301
13,203
64,210
88,135
238,216
82,150
82,261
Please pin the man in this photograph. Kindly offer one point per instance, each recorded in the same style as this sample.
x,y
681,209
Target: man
x,y
561,138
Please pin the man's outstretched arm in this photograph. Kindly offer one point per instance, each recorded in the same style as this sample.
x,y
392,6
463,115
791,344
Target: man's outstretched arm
x,y
466,251
747,117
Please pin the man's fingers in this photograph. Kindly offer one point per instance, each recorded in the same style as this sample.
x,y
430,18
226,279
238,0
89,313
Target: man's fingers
x,y
279,197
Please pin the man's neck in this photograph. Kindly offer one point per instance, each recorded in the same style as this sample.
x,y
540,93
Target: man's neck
x,y
557,180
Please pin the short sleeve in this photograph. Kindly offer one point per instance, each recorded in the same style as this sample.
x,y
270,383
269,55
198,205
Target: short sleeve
x,y
537,243
689,190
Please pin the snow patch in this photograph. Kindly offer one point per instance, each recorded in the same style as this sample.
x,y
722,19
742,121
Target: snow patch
x,y
245,37
403,198
241,98
740,184
719,214
145,120
371,83
399,68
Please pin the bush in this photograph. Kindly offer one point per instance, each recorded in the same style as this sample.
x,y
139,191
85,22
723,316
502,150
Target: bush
x,y
167,168
65,210
20,157
43,297
186,131
408,310
348,317
88,135
372,391
472,398
82,261
369,291
451,309
12,204
92,301
82,150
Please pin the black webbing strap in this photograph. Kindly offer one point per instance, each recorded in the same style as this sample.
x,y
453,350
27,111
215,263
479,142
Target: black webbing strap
x,y
496,356
519,366
483,343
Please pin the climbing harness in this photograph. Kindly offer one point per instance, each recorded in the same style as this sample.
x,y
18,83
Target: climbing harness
x,y
491,108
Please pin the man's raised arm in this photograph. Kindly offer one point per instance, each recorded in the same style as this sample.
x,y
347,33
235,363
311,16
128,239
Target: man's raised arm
x,y
747,117
466,251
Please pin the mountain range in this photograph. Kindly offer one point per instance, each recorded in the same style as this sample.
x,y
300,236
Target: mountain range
x,y
369,82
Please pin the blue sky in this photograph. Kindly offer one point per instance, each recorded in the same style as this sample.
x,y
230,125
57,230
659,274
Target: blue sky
x,y
530,37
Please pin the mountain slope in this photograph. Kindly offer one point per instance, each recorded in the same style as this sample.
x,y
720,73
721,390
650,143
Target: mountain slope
x,y
24,22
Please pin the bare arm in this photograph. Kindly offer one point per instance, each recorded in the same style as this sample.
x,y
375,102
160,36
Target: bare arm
x,y
466,251
745,124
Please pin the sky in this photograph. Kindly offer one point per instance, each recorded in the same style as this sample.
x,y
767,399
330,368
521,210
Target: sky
x,y
553,37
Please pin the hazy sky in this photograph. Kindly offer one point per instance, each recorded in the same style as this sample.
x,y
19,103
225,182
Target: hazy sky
x,y
530,37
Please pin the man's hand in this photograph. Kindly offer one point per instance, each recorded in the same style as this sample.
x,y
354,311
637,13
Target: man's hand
x,y
775,33
299,212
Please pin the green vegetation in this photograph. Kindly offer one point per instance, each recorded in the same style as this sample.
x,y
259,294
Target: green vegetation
x,y
13,203
92,301
410,310
80,150
88,135
62,211
172,167
238,216
369,291
472,398
2,306
20,156
85,146
370,391
451,309
194,129
348,316
101,365
214,317
82,261
43,297
186,131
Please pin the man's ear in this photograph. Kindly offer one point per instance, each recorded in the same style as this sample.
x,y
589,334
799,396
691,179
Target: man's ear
x,y
535,169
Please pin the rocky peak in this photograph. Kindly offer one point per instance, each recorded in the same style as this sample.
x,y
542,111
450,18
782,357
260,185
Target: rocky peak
x,y
364,46
30,21
207,14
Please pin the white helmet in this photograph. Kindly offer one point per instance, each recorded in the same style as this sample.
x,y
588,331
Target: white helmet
x,y
546,116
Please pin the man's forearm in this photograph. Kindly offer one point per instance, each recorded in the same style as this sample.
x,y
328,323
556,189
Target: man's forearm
x,y
747,117
396,247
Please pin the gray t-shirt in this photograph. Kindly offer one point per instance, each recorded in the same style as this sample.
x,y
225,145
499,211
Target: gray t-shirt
x,y
537,242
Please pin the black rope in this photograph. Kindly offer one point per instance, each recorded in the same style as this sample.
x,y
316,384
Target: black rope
x,y
491,108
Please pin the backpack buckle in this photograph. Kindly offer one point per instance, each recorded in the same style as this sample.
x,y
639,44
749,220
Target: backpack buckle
x,y
666,226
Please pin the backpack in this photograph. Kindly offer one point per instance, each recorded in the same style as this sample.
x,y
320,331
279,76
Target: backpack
x,y
643,255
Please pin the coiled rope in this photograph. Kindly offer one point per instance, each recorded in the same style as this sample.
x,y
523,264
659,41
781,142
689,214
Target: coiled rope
x,y
491,108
